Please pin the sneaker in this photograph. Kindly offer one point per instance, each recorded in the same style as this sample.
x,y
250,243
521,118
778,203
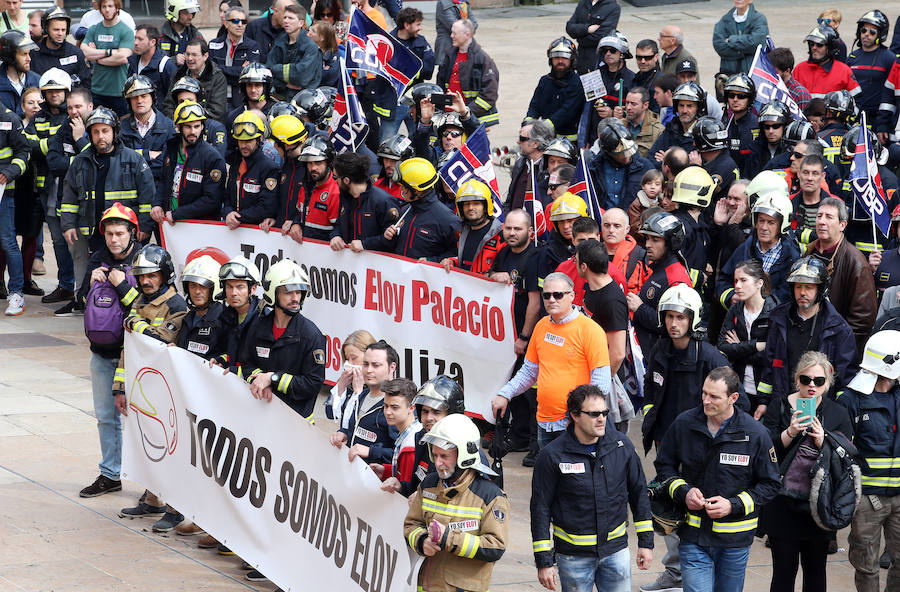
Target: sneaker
x,y
208,542
529,459
884,562
666,582
142,509
223,550
38,267
60,294
188,529
32,289
168,522
16,305
70,309
254,576
100,486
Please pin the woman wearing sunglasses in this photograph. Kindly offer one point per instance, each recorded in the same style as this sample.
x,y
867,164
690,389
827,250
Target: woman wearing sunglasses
x,y
793,535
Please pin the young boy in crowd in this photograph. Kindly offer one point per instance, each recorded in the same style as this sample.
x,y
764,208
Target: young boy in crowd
x,y
399,412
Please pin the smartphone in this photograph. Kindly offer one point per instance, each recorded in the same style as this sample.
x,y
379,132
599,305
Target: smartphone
x,y
441,101
807,408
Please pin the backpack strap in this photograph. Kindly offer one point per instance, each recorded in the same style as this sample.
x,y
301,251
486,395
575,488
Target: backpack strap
x,y
162,62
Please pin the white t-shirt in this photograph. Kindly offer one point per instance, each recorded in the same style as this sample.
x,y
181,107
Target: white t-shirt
x,y
749,382
92,17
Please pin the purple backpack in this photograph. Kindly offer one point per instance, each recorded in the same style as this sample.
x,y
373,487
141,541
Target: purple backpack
x,y
104,313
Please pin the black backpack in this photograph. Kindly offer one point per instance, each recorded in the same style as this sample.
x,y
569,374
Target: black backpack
x,y
836,487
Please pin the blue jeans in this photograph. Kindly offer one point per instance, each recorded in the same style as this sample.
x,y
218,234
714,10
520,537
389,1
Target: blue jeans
x,y
65,274
10,245
713,569
610,574
391,127
109,421
544,437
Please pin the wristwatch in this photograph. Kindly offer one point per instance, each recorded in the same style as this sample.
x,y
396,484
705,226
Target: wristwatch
x,y
276,378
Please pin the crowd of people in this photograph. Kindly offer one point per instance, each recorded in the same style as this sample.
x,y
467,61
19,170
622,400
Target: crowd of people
x,y
731,294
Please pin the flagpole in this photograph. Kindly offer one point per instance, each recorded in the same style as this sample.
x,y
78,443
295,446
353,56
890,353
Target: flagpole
x,y
862,130
583,164
534,201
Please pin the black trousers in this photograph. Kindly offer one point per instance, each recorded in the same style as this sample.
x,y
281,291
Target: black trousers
x,y
788,554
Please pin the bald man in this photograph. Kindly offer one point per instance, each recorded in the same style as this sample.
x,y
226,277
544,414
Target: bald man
x,y
624,253
671,39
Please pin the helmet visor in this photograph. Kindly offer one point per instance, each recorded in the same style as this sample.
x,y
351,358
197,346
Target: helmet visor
x,y
205,282
245,130
438,441
429,401
235,271
191,113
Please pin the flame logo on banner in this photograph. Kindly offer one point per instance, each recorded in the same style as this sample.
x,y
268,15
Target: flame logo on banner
x,y
152,402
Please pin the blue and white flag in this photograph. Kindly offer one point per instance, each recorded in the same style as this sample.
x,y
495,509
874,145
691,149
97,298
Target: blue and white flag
x,y
474,160
349,127
866,182
372,49
769,85
540,230
583,186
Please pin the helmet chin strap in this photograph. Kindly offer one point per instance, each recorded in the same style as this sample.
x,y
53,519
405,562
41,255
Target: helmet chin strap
x,y
289,312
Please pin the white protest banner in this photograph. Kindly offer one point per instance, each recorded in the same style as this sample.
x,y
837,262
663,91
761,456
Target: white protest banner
x,y
258,477
457,323
593,86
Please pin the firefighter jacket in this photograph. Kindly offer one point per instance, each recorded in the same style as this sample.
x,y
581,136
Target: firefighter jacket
x,y
586,498
475,514
297,358
429,229
191,190
171,43
154,140
129,181
629,259
236,332
40,130
159,317
663,275
491,243
253,195
559,100
160,70
479,79
672,135
203,335
245,51
696,243
366,218
295,65
15,148
316,207
67,57
369,427
739,464
871,69
875,417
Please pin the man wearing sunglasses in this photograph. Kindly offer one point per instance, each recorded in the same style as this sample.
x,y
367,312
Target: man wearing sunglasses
x,y
871,61
234,50
566,349
821,73
589,458
646,54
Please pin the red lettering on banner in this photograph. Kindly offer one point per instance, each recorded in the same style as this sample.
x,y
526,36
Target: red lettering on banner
x,y
420,297
386,297
456,313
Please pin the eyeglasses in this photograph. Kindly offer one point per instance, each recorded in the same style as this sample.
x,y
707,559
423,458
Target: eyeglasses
x,y
868,30
736,96
554,295
237,21
766,126
807,380
644,58
823,21
797,155
595,414
451,134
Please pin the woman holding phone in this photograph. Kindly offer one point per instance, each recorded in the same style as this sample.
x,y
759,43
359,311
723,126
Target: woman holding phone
x,y
797,425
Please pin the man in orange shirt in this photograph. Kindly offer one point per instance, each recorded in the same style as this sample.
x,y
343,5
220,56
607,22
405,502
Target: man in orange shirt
x,y
566,350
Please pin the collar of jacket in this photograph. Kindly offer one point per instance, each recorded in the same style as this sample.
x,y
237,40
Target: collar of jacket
x,y
117,148
291,332
461,484
667,348
733,431
169,292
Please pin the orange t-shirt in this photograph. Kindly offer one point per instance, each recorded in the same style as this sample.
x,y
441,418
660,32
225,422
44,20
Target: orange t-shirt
x,y
565,355
375,14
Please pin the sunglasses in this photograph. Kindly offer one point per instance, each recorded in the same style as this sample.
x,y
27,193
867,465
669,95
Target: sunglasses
x,y
823,21
807,380
451,134
595,414
607,50
644,58
868,30
554,295
766,126
237,21
797,155
814,44
736,96
524,139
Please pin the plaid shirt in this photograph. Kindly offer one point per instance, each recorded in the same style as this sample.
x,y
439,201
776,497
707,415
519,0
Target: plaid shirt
x,y
769,257
799,93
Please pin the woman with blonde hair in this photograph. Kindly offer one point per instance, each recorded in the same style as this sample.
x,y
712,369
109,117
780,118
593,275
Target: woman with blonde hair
x,y
350,382
324,36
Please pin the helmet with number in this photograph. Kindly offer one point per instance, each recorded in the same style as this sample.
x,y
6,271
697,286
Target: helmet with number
x,y
249,126
420,92
775,112
314,104
459,432
741,83
189,84
881,358
256,72
55,79
617,41
567,206
137,85
562,47
286,274
476,190
56,13
775,203
12,42
417,174
823,35
189,111
441,393
203,270
119,212
798,131
288,130
848,145
239,268
316,148
709,134
681,299
667,227
174,8
563,148
616,140
690,91
104,115
878,20
810,270
693,187
152,258
396,147
839,104
765,183
282,108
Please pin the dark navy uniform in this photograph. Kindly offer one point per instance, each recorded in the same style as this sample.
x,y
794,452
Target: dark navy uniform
x,y
236,331
663,275
246,51
256,197
724,170
195,191
297,358
160,70
293,180
203,335
369,427
155,140
429,230
365,219
859,227
66,57
672,135
739,464
696,243
875,417
40,130
586,497
832,135
888,272
559,100
742,134
229,142
871,69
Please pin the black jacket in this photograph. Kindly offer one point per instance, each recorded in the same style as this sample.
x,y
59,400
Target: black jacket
x,y
202,182
560,100
203,335
246,51
160,70
370,428
672,135
66,57
604,13
236,332
262,31
215,91
429,230
744,352
154,141
257,197
366,218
